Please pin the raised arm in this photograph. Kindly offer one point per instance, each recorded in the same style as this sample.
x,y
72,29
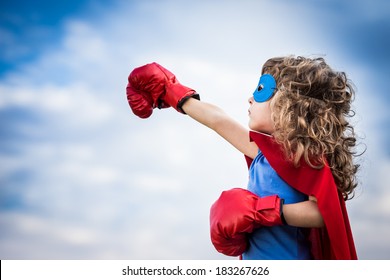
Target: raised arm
x,y
216,119
152,86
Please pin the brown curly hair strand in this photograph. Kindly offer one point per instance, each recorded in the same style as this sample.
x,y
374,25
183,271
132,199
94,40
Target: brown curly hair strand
x,y
310,111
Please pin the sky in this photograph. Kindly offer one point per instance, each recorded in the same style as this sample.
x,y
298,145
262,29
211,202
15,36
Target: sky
x,y
81,177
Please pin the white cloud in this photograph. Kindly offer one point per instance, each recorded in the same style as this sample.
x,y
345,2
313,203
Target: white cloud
x,y
75,104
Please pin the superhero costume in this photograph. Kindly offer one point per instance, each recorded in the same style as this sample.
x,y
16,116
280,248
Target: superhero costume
x,y
276,242
334,241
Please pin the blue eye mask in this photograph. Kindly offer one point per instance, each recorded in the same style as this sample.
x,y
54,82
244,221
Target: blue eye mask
x,y
265,89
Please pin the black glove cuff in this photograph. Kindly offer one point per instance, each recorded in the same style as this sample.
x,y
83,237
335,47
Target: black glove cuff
x,y
281,213
184,99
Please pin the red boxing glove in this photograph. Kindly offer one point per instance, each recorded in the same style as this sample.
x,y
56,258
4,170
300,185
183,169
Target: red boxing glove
x,y
152,86
237,213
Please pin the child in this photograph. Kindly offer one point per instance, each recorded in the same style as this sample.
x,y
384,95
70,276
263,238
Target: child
x,y
299,153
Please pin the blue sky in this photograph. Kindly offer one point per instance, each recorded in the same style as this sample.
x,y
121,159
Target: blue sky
x,y
82,178
31,27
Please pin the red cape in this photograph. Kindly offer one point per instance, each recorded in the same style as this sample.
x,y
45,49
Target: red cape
x,y
335,240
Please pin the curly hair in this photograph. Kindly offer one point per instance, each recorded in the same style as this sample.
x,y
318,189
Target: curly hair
x,y
310,111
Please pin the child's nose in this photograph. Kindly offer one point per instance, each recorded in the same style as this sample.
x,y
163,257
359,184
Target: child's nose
x,y
250,100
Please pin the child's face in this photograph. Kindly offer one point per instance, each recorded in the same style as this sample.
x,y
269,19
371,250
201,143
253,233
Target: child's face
x,y
260,116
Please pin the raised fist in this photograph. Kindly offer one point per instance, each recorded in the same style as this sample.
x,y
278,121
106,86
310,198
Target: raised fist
x,y
152,86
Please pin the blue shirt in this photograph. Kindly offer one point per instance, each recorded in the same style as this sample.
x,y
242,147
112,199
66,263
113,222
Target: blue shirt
x,y
276,242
